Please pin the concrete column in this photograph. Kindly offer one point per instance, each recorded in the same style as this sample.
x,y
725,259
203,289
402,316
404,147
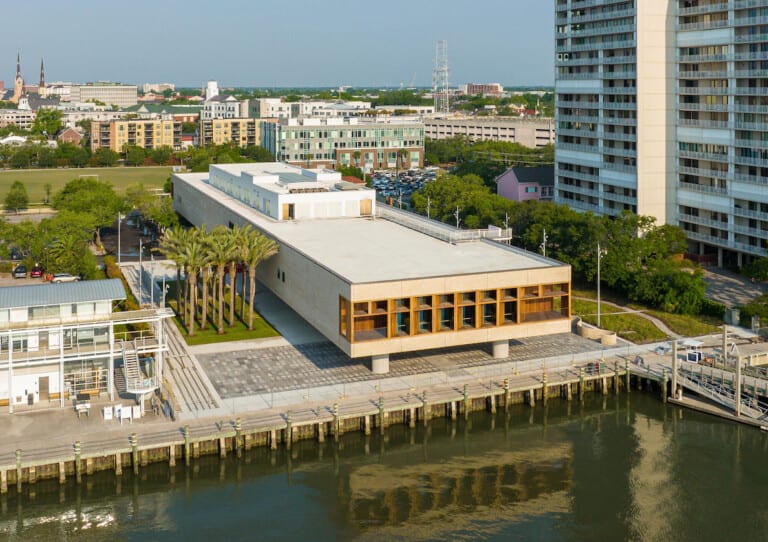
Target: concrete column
x,y
501,349
568,392
380,364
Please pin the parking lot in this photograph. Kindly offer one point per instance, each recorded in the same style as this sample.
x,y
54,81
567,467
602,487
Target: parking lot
x,y
394,186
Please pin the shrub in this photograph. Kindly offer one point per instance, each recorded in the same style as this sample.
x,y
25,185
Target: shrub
x,y
712,308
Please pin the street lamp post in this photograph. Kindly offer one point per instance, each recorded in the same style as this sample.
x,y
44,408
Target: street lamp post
x,y
140,277
600,253
119,221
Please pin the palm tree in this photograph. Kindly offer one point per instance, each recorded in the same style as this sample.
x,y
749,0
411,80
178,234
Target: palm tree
x,y
255,249
206,238
172,247
194,253
238,235
220,252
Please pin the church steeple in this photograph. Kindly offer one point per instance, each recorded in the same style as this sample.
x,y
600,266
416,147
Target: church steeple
x,y
18,84
42,75
18,65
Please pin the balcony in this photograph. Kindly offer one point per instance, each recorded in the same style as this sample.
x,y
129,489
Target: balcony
x,y
703,188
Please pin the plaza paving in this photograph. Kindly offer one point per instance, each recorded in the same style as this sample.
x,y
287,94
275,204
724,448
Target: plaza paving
x,y
283,368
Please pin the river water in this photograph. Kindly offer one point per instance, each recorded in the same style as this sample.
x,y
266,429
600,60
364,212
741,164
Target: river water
x,y
613,468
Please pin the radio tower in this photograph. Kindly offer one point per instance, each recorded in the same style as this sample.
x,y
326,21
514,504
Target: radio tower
x,y
440,78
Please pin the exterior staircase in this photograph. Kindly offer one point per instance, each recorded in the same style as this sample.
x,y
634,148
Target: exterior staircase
x,y
135,381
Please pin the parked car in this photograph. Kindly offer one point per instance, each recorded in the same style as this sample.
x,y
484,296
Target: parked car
x,y
36,272
20,272
64,277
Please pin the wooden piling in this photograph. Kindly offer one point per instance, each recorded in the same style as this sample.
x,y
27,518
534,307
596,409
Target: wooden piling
x,y
172,455
544,387
321,432
238,437
581,384
568,392
3,482
604,386
118,464
412,417
425,409
627,375
532,397
288,430
62,473
336,424
367,425
89,466
466,401
186,445
615,377
78,473
273,439
506,393
222,448
135,453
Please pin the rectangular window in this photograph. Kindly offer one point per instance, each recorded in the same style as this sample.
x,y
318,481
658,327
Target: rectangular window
x,y
489,315
468,317
446,319
425,321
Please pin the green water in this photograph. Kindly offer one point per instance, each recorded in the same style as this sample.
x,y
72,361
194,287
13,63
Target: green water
x,y
619,468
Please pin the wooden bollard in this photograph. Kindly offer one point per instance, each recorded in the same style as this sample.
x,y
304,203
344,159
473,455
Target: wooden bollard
x,y
273,439
172,455
367,425
118,464
222,448
3,482
466,401
581,384
78,470
506,393
135,453
336,421
627,374
62,473
288,430
186,445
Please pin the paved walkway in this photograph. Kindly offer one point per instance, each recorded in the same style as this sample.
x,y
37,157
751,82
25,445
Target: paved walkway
x,y
655,321
731,289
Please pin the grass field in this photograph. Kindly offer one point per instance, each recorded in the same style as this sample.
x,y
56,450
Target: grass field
x,y
626,325
120,177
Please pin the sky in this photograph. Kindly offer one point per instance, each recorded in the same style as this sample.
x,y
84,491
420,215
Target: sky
x,y
267,43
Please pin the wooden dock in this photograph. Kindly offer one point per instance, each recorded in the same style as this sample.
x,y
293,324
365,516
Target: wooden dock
x,y
275,428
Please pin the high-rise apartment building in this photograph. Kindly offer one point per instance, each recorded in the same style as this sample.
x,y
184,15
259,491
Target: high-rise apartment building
x,y
662,110
117,135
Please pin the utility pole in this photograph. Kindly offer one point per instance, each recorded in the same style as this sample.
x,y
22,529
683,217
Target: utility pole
x,y
600,252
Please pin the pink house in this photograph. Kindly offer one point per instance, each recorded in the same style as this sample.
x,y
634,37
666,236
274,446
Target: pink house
x,y
526,183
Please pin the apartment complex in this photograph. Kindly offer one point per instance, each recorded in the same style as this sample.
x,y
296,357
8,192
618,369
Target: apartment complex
x,y
241,131
485,89
661,110
530,132
369,143
108,93
145,133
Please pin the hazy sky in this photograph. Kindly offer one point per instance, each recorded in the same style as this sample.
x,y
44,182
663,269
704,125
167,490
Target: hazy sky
x,y
282,42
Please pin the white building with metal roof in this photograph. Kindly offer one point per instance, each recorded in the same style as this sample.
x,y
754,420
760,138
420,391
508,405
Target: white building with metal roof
x,y
61,340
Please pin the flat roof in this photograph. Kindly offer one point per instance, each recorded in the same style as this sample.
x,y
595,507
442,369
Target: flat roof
x,y
38,295
364,250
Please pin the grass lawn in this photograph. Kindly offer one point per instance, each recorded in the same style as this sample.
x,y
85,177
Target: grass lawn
x,y
627,326
688,326
120,177
261,329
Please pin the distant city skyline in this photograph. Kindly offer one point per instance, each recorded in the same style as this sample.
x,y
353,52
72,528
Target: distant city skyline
x,y
268,44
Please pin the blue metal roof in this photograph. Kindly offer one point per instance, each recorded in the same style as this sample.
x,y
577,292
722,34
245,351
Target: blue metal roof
x,y
37,295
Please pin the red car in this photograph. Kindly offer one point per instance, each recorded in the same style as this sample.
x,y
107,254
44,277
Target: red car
x,y
36,272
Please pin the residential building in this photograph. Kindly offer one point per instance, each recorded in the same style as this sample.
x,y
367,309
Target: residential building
x,y
483,89
530,132
157,88
211,90
370,143
272,108
107,93
61,340
660,109
180,113
399,283
526,183
221,106
325,108
69,135
70,117
148,134
420,110
241,131
17,117
614,103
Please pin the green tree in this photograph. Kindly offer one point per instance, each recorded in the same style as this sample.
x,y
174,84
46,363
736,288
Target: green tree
x,y
757,269
258,154
161,155
17,198
221,252
255,249
47,122
93,197
135,156
105,157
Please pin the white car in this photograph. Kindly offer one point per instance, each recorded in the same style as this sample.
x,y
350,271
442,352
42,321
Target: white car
x,y
64,277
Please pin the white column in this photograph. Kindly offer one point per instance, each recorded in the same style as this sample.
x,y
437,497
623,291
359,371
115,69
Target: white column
x,y
501,349
380,364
